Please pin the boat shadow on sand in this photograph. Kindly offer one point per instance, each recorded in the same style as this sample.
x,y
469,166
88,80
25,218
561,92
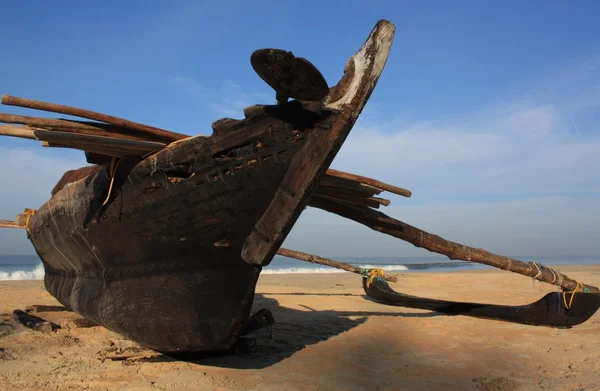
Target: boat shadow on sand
x,y
292,331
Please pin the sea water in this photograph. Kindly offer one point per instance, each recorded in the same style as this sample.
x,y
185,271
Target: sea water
x,y
29,267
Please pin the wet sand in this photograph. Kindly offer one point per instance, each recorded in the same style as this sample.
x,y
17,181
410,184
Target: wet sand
x,y
326,336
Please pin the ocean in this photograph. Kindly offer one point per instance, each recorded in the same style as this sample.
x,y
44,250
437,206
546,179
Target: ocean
x,y
29,267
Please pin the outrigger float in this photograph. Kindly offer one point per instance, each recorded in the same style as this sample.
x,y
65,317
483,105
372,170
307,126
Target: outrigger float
x,y
162,239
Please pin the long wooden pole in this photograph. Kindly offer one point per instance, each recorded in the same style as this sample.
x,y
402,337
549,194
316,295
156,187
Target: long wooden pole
x,y
10,224
97,129
370,181
325,261
17,131
165,135
382,223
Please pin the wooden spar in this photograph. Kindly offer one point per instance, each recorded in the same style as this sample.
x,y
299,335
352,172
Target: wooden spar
x,y
369,181
17,131
284,252
62,125
382,223
83,141
151,131
350,200
351,197
10,224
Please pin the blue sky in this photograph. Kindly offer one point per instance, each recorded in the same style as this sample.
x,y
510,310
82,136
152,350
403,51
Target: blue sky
x,y
487,111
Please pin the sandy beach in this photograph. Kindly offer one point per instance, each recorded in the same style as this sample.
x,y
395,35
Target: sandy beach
x,y
326,336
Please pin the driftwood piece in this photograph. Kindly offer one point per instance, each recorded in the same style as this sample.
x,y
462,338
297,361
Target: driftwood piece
x,y
97,143
370,181
34,322
382,223
284,252
162,134
312,160
17,131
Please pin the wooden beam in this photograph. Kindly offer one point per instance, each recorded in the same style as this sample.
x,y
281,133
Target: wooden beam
x,y
370,181
164,135
97,143
419,238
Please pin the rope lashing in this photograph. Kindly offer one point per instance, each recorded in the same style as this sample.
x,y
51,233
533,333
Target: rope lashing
x,y
114,164
29,213
373,274
578,288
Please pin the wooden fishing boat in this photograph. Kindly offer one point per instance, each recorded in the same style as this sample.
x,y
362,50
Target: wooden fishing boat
x,y
166,249
164,238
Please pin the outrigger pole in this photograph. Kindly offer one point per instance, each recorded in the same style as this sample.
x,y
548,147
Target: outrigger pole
x,y
383,223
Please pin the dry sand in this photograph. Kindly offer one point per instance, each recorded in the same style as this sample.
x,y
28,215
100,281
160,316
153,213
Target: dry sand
x,y
327,336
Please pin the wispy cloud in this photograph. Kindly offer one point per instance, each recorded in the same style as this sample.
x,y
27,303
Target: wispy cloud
x,y
229,99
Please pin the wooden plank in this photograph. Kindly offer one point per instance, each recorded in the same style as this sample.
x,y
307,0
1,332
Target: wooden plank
x,y
77,112
85,142
347,99
17,131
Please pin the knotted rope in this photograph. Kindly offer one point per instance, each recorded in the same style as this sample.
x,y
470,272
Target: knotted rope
x,y
373,274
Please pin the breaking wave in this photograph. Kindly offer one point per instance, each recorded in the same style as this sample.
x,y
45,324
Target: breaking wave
x,y
35,274
316,270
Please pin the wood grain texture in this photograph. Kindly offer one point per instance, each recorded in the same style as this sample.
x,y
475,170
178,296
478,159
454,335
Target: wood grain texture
x,y
320,147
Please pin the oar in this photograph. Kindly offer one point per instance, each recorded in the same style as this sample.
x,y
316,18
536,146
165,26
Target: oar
x,y
330,262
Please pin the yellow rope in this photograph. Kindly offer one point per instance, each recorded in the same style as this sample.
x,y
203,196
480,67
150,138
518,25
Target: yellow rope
x,y
29,213
373,274
111,173
578,288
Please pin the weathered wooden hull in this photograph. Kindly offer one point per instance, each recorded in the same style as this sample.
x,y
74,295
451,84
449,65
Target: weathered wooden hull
x,y
169,254
160,263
